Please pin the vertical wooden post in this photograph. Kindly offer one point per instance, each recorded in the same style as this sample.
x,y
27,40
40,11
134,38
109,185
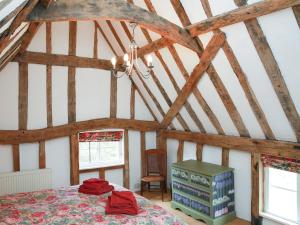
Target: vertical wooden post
x,y
16,158
255,218
143,159
49,75
180,151
199,151
23,95
102,173
225,157
113,96
161,143
72,73
126,178
74,155
95,41
42,155
132,102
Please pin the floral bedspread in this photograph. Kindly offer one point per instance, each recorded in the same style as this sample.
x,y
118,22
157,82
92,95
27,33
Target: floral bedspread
x,y
67,206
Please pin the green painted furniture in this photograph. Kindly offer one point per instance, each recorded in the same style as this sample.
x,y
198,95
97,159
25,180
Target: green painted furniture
x,y
204,191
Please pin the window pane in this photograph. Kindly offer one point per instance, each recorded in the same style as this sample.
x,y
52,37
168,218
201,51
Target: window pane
x,y
94,148
281,194
84,152
283,179
283,203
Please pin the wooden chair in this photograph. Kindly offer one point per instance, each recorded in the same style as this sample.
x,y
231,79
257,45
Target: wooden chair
x,y
155,162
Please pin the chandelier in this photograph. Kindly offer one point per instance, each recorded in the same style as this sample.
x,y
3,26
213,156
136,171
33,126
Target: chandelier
x,y
130,61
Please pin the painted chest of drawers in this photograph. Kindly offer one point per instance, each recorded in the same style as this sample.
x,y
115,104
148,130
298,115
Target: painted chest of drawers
x,y
204,191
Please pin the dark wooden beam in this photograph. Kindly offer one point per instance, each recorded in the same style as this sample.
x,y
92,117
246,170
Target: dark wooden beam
x,y
72,73
143,156
225,157
113,96
279,148
239,15
74,159
255,160
132,102
199,152
210,52
29,136
16,157
23,95
126,178
64,60
42,155
111,10
180,151
49,75
31,31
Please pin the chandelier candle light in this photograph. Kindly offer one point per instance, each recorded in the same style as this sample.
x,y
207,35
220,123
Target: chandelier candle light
x,y
130,61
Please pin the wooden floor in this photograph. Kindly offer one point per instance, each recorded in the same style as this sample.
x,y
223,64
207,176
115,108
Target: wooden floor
x,y
156,198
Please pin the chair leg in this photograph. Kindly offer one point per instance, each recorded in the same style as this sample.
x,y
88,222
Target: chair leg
x,y
142,184
165,185
149,186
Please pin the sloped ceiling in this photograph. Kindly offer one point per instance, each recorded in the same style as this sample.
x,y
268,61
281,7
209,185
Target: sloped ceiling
x,y
251,88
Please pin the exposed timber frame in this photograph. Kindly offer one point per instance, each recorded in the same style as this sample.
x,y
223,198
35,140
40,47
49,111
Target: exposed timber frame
x,y
30,136
239,15
111,10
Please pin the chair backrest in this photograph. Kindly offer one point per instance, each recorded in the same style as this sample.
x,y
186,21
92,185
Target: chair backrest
x,y
155,161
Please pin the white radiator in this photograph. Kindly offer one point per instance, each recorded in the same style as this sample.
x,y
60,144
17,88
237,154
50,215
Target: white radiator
x,y
25,181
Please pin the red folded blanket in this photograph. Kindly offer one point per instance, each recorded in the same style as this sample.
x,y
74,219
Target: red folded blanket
x,y
94,186
123,199
121,202
95,191
95,181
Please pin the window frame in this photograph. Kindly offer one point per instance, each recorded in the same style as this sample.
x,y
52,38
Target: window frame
x,y
96,165
265,200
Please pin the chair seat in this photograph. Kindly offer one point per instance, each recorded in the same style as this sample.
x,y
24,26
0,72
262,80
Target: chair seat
x,y
153,178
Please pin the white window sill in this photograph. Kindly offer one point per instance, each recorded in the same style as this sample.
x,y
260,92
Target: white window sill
x,y
276,219
84,166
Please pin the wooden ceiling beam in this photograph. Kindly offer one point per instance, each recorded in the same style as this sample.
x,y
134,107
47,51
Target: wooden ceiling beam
x,y
187,105
279,148
118,10
208,55
29,136
64,60
212,73
239,15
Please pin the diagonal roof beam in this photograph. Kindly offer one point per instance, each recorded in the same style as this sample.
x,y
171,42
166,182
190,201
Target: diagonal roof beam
x,y
118,10
239,15
5,36
208,55
151,47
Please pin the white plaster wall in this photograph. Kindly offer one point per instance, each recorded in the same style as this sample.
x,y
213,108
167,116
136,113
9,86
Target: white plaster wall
x,y
92,102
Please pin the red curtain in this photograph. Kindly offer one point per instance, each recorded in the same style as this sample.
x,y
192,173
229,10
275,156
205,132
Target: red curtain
x,y
282,163
101,136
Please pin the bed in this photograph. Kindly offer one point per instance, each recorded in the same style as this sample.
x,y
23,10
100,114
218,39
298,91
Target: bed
x,y
67,206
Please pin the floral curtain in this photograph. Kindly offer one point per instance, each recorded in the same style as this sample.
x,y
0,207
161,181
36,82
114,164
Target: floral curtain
x,y
282,163
101,136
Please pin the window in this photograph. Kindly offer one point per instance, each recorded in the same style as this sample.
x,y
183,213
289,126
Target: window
x,y
282,194
100,149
